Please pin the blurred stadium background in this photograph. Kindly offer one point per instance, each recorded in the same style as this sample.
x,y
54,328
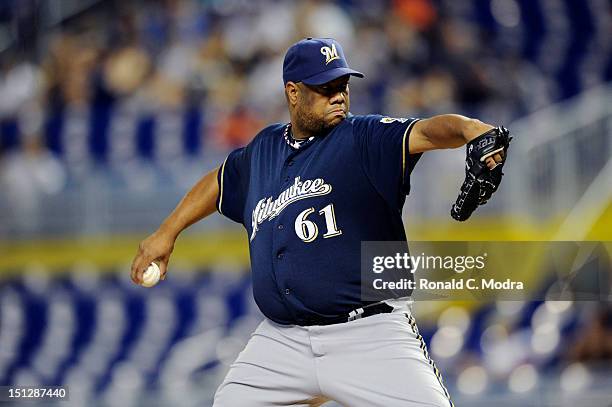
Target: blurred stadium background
x,y
111,110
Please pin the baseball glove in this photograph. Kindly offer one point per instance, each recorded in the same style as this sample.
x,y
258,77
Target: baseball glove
x,y
480,181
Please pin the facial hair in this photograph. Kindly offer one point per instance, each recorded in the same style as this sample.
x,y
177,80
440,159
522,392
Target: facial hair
x,y
311,124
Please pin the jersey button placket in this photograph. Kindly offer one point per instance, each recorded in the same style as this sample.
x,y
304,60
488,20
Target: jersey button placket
x,y
286,177
286,174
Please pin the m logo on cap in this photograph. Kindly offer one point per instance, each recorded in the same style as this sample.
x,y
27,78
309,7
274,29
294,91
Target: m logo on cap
x,y
330,53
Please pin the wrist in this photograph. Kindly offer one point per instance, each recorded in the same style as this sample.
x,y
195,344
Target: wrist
x,y
170,228
475,128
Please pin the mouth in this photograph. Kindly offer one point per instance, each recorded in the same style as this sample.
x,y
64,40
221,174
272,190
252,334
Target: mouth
x,y
338,112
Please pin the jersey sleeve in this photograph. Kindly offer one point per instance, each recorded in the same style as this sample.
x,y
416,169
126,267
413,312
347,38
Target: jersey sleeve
x,y
383,144
233,178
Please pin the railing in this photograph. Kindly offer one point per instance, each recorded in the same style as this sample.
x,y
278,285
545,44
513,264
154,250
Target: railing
x,y
559,152
556,154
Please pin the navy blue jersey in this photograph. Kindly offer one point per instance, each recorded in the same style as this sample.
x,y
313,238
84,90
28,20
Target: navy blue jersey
x,y
307,210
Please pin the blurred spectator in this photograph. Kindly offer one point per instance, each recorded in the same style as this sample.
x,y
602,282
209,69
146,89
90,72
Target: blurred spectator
x,y
319,18
68,69
26,176
125,70
418,13
20,83
238,127
594,342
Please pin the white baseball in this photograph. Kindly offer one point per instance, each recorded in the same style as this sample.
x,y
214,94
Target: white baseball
x,y
151,275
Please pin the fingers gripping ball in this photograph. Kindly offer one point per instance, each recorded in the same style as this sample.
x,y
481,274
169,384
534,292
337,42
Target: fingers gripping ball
x,y
480,181
151,276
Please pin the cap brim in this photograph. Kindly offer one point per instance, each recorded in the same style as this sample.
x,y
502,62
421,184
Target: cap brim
x,y
328,76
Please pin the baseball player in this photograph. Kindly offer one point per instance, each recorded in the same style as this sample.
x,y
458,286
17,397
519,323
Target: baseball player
x,y
308,193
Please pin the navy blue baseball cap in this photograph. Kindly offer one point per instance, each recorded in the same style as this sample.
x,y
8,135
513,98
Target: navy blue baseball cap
x,y
315,61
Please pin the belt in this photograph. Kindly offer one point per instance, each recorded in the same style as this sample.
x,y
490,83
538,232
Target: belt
x,y
358,313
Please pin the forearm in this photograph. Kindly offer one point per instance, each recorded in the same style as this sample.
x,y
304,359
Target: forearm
x,y
197,204
445,131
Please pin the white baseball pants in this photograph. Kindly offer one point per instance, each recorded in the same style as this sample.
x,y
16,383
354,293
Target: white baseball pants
x,y
380,360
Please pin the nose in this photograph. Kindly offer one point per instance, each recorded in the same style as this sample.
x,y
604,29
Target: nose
x,y
338,97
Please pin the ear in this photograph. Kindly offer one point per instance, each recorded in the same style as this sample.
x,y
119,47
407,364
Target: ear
x,y
292,90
